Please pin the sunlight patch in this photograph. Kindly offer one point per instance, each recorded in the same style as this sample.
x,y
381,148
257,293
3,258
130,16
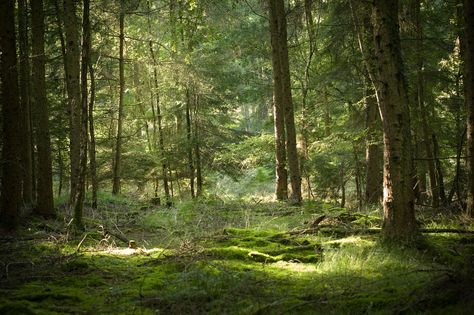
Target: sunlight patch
x,y
293,266
132,251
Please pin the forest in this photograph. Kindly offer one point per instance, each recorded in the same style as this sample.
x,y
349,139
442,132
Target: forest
x,y
237,157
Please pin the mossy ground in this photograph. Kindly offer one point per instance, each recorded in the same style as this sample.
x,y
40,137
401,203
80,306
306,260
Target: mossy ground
x,y
229,258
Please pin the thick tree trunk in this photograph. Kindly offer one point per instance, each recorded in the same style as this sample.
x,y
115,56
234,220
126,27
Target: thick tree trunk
x,y
398,201
118,140
41,110
281,184
469,97
26,130
72,70
292,153
92,147
11,175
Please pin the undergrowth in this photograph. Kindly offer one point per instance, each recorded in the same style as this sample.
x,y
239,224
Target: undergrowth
x,y
217,257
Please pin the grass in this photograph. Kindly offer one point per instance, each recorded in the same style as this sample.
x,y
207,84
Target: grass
x,y
219,257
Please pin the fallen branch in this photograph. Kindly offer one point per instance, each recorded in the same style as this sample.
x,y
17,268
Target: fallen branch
x,y
332,229
105,232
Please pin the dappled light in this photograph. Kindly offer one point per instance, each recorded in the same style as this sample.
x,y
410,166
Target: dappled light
x,y
236,157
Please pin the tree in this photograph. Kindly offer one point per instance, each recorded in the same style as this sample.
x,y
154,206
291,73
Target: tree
x,y
398,200
118,139
41,111
24,81
80,189
11,175
469,97
72,71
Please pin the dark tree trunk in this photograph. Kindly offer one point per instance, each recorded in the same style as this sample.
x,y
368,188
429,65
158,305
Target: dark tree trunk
x,y
26,130
11,175
469,97
41,110
399,215
118,140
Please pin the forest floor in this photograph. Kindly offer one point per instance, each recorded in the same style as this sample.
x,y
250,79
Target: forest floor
x,y
233,258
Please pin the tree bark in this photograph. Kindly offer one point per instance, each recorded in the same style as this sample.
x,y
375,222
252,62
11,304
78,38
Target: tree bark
x,y
118,140
11,175
281,184
469,98
398,201
72,71
24,80
41,109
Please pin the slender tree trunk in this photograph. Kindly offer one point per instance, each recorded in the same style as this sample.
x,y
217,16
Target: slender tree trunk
x,y
197,149
11,174
434,185
327,118
373,152
81,182
24,80
469,98
399,215
92,148
118,141
439,170
159,119
189,144
61,169
41,108
72,71
281,188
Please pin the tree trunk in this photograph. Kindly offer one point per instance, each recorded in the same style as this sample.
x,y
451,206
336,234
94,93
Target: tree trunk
x,y
373,152
24,80
197,149
189,144
398,201
11,174
292,153
41,109
469,98
161,142
92,148
81,181
118,141
418,33
281,185
72,70
327,118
